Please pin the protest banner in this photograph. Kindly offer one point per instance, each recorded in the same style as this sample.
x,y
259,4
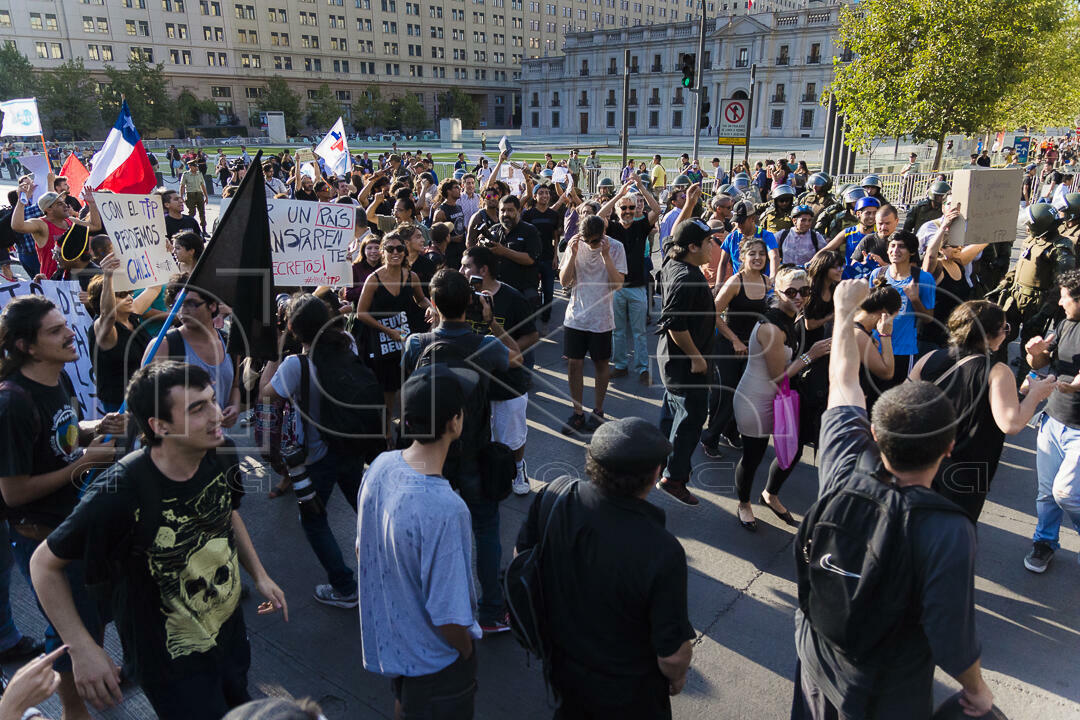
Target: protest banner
x,y
304,155
987,199
310,241
65,295
136,224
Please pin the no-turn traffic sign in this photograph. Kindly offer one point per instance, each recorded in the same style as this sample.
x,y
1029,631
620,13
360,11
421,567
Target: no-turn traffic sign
x,y
732,125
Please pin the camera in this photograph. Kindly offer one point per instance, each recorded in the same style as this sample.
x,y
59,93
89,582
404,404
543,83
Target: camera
x,y
303,488
476,283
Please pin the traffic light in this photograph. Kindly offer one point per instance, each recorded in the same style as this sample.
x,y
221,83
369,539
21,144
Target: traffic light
x,y
686,62
706,106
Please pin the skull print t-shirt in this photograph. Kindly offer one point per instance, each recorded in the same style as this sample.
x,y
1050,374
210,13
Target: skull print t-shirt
x,y
176,581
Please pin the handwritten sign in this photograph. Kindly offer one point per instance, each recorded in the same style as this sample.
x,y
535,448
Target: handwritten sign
x,y
136,224
65,295
309,241
987,200
304,155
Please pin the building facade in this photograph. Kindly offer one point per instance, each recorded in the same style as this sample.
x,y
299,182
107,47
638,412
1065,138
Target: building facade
x,y
581,92
226,49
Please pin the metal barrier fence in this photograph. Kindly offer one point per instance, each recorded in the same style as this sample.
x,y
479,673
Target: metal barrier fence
x,y
900,190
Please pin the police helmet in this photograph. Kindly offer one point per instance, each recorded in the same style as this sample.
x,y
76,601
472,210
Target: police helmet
x,y
871,181
681,181
729,190
819,180
741,181
459,174
547,175
645,179
1041,218
1068,205
854,194
940,188
782,191
606,183
863,203
802,210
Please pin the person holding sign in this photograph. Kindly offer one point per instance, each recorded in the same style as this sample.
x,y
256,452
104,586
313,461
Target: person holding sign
x,y
48,230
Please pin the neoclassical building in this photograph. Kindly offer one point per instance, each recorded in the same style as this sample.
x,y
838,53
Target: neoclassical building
x,y
581,92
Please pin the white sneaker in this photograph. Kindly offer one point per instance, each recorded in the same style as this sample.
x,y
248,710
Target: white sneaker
x,y
521,481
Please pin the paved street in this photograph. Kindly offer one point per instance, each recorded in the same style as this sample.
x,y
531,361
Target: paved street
x,y
741,589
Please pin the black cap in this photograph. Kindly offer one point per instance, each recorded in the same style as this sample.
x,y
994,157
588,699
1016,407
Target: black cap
x,y
629,445
432,395
693,232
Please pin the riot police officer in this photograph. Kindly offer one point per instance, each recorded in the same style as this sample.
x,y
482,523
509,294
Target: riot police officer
x,y
817,194
1028,294
929,209
776,215
605,189
871,185
841,214
741,181
1069,208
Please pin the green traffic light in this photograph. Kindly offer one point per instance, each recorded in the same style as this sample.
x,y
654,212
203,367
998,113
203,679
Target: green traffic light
x,y
686,82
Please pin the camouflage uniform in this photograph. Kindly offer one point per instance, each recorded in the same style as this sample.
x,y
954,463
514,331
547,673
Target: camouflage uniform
x,y
818,202
775,221
922,213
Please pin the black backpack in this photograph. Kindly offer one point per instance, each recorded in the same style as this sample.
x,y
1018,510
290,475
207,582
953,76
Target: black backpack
x,y
352,408
854,562
523,580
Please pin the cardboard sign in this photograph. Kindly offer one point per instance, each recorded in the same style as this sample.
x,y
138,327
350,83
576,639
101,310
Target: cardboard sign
x,y
506,147
310,241
136,224
304,155
65,295
988,200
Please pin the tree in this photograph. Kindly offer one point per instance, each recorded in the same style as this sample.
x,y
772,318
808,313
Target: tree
x,y
370,110
323,109
191,109
928,69
411,114
145,88
16,73
278,96
68,99
456,103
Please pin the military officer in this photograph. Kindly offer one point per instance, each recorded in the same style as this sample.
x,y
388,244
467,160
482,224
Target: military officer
x,y
929,209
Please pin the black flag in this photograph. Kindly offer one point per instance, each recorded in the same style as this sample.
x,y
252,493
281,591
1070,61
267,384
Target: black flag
x,y
235,269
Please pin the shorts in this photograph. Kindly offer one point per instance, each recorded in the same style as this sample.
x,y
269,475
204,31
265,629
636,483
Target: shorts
x,y
448,694
576,343
508,421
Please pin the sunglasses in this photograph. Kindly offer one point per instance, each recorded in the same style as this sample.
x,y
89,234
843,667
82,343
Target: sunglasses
x,y
394,248
792,293
123,294
192,304
491,194
628,207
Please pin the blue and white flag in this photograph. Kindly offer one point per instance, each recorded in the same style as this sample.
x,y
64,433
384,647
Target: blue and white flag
x,y
20,117
334,149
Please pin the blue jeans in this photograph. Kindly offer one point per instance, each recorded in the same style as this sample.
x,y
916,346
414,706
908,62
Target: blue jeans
x,y
547,288
485,524
345,472
681,419
86,604
631,304
1057,464
9,634
30,263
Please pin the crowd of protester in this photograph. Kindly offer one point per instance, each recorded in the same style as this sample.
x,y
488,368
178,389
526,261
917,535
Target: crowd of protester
x,y
770,288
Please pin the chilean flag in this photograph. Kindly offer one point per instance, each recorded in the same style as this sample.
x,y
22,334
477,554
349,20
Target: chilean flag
x,y
334,149
121,165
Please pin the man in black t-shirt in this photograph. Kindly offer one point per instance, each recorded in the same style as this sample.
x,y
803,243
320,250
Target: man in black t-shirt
x,y
449,211
175,219
913,427
614,581
43,460
631,301
549,224
517,245
162,528
508,391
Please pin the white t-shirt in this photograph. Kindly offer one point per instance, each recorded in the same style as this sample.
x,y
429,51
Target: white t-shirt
x,y
590,307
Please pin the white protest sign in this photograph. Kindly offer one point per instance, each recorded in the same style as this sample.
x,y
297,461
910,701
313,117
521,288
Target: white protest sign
x,y
987,200
505,146
304,155
65,295
310,241
39,166
559,175
136,224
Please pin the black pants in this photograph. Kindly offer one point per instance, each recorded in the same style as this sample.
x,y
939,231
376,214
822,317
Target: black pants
x,y
753,451
728,368
593,697
449,694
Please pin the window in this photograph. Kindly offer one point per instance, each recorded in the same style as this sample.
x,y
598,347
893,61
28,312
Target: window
x,y
412,8
180,57
337,21
172,5
389,27
744,58
436,32
339,44
250,61
141,53
87,24
282,62
35,21
654,119
676,119
363,24
610,119
341,66
42,49
312,65
93,53
777,120
390,48
106,53
554,119
140,4
309,41
631,119
393,69
5,18
210,8
435,12
279,39
363,4
176,31
215,34
217,59
806,121
416,71
391,6
278,15
535,119
245,12
307,18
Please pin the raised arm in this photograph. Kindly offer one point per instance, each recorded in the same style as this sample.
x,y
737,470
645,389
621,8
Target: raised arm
x,y
844,388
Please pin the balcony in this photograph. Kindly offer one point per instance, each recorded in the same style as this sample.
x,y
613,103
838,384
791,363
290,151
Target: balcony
x,y
809,97
813,59
742,63
678,100
633,69
632,102
610,102
612,71
655,68
583,102
556,103
779,98
534,103
654,101
783,60
584,72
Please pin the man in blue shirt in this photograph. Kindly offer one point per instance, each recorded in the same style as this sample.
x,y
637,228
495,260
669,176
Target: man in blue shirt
x,y
745,216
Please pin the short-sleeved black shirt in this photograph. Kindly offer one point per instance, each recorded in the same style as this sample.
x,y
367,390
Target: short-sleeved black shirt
x,y
614,585
547,223
1065,363
40,434
513,312
898,684
634,240
523,237
115,366
688,305
180,601
180,224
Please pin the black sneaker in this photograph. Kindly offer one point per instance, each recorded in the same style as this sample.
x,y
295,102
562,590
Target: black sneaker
x,y
575,424
711,450
1040,556
26,648
595,420
734,440
677,490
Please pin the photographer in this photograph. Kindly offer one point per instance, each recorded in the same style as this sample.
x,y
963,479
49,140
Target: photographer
x,y
517,245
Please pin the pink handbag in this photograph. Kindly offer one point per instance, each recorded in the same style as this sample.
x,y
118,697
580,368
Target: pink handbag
x,y
785,424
